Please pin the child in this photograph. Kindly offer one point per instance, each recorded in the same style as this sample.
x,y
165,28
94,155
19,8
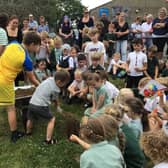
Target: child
x,y
99,98
73,54
66,62
112,91
45,93
153,64
132,147
165,71
75,88
155,145
44,48
116,66
81,62
110,39
95,66
135,111
136,64
93,136
55,54
95,46
41,72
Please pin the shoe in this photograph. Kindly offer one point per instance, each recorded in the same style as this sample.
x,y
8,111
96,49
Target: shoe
x,y
50,142
59,109
86,105
16,135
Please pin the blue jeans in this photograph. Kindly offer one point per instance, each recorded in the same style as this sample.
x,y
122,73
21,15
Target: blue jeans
x,y
121,47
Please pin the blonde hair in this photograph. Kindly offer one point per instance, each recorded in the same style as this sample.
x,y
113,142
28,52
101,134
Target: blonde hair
x,y
93,31
58,39
117,54
155,145
143,82
96,56
78,72
163,9
115,111
153,49
123,95
86,30
44,35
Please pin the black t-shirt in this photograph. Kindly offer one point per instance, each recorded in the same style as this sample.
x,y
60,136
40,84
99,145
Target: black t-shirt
x,y
81,24
152,63
122,29
94,69
66,28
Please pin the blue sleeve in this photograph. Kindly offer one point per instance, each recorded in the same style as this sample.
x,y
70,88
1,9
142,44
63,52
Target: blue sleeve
x,y
28,65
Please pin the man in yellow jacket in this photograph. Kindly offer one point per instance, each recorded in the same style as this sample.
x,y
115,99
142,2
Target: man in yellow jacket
x,y
12,61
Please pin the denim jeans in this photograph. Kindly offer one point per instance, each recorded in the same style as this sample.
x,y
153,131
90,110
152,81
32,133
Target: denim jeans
x,y
121,47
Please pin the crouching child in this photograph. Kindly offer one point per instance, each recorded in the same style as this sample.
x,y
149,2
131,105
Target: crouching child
x,y
44,94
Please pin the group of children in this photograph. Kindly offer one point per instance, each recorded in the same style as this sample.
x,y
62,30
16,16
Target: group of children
x,y
114,124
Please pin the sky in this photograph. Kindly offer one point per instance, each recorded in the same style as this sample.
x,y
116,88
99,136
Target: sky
x,y
93,3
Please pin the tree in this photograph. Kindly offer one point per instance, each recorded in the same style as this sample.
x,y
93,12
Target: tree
x,y
53,10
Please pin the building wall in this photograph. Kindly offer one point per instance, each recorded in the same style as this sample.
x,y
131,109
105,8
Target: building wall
x,y
130,6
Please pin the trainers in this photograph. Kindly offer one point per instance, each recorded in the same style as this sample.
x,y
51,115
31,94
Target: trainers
x,y
16,135
59,109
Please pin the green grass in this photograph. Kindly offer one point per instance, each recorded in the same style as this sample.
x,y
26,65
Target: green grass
x,y
30,152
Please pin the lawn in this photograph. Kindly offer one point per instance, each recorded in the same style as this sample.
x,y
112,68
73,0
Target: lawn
x,y
30,152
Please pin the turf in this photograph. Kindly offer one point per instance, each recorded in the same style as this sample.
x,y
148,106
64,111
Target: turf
x,y
30,152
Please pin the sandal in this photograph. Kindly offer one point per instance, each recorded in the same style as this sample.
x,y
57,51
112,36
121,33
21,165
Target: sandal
x,y
52,141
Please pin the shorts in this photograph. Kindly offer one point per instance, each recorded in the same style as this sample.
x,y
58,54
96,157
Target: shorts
x,y
7,94
35,112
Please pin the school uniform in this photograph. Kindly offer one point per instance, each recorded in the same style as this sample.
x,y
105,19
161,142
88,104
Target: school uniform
x,y
102,155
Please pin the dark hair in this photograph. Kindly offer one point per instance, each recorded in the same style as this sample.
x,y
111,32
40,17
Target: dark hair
x,y
4,18
137,106
103,74
137,41
31,37
62,75
81,57
13,17
93,77
93,131
85,75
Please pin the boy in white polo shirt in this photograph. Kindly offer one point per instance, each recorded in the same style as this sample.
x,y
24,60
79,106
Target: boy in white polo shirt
x,y
136,64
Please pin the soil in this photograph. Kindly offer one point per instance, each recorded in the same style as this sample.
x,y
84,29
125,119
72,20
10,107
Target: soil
x,y
21,93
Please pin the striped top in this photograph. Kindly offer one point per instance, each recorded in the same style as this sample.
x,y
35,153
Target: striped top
x,y
3,37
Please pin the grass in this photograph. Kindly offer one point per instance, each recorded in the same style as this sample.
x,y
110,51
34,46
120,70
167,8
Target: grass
x,y
30,152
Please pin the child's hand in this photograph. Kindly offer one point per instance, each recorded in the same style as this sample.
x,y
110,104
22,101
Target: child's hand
x,y
154,125
73,138
164,116
138,69
93,110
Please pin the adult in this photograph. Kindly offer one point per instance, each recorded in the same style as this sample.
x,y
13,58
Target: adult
x,y
160,30
13,31
100,27
122,31
105,21
25,27
136,28
85,21
33,25
3,36
14,58
65,30
146,28
43,26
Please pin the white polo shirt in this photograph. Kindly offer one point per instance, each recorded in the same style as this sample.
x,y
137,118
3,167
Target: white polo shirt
x,y
136,59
